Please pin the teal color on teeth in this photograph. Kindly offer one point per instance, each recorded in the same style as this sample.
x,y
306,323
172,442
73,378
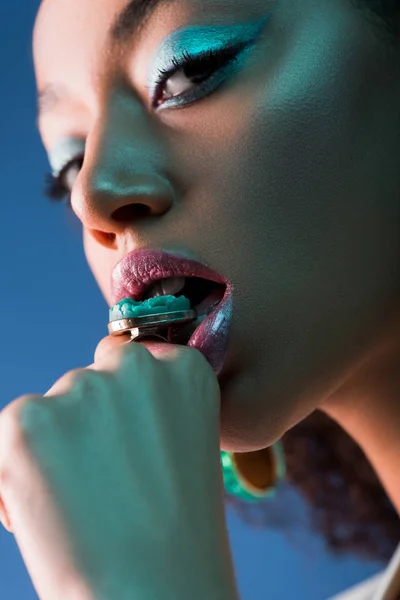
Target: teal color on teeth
x,y
127,308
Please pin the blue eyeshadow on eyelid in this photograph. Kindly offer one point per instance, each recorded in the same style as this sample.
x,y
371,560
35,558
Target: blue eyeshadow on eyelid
x,y
196,39
190,39
63,151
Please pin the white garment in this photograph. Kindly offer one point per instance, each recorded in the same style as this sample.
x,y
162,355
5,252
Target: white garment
x,y
385,585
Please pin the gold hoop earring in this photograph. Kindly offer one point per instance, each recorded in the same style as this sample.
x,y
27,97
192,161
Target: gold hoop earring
x,y
253,476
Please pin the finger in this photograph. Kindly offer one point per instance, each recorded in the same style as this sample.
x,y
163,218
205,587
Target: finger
x,y
158,349
161,350
107,344
105,359
64,384
10,428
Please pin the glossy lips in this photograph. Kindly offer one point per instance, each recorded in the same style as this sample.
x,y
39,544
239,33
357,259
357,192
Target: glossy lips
x,y
212,336
136,271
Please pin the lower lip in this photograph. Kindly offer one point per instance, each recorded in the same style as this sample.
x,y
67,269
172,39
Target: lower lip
x,y
211,336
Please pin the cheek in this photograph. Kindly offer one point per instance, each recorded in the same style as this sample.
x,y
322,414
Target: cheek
x,y
317,240
101,262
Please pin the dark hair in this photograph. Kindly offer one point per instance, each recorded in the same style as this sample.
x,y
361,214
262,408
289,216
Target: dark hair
x,y
347,503
387,11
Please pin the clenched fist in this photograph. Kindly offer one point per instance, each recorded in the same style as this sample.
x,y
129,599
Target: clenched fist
x,y
111,482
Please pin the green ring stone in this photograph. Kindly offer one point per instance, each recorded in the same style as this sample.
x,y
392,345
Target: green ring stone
x,y
127,308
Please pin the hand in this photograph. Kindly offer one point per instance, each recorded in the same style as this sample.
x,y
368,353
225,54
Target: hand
x,y
111,482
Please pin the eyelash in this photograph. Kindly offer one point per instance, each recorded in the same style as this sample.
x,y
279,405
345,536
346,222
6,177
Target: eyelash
x,y
56,190
54,187
207,59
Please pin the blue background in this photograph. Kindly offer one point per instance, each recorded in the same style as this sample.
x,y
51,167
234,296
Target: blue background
x,y
53,316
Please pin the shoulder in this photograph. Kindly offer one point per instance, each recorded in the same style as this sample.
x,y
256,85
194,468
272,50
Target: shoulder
x,y
362,591
382,586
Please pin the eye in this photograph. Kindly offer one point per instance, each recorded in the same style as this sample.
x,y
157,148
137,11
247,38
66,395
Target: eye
x,y
202,71
58,187
206,70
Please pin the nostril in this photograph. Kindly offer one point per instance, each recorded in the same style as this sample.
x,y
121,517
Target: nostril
x,y
103,238
130,212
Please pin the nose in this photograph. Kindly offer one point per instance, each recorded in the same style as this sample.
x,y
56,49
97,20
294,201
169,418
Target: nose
x,y
123,177
107,207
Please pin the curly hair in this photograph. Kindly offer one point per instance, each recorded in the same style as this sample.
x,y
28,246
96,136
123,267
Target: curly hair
x,y
347,503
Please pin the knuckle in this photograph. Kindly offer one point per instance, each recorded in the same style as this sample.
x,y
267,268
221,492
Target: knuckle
x,y
81,376
71,387
80,379
65,383
135,353
10,416
86,382
13,422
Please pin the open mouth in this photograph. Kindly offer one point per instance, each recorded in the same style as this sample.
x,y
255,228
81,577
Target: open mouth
x,y
202,294
152,283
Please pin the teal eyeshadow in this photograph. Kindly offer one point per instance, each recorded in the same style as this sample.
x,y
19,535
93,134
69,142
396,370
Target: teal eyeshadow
x,y
197,39
191,39
63,151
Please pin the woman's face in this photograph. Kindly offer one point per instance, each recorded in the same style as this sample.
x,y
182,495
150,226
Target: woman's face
x,y
284,175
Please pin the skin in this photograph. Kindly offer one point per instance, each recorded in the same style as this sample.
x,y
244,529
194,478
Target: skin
x,y
297,156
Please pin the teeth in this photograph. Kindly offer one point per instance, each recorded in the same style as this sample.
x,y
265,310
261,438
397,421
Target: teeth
x,y
165,287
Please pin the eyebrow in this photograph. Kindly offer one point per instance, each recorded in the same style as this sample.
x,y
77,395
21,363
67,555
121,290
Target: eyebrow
x,y
132,19
128,23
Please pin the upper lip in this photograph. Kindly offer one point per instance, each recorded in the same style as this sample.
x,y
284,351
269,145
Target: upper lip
x,y
140,268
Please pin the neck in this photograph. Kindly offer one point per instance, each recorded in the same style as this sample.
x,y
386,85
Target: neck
x,y
367,407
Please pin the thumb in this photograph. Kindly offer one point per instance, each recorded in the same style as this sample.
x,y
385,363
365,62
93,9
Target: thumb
x,y
158,348
108,343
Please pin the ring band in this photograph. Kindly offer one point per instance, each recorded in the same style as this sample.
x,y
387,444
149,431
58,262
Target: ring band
x,y
250,476
156,325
